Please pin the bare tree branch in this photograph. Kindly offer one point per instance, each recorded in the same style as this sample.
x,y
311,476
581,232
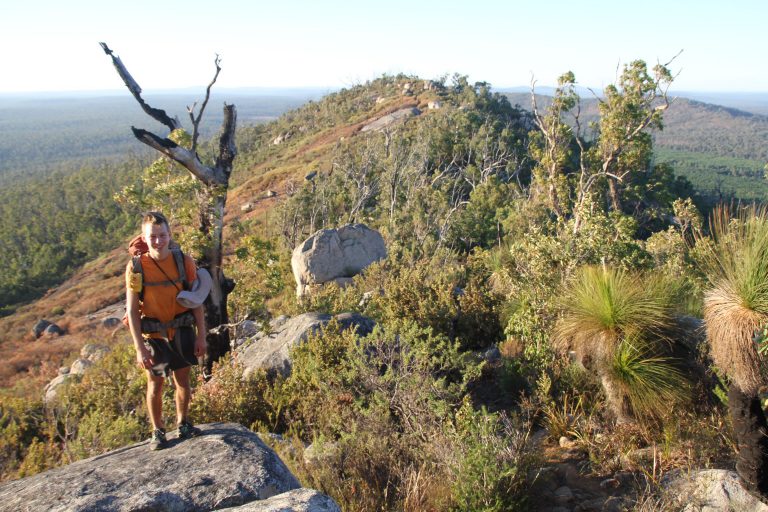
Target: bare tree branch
x,y
211,200
179,154
155,113
191,110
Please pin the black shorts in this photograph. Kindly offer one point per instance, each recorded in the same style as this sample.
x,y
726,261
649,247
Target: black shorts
x,y
166,353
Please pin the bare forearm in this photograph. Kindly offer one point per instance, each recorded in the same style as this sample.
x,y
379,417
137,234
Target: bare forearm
x,y
199,314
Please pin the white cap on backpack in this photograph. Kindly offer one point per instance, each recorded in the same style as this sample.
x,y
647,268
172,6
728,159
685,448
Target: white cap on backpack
x,y
200,289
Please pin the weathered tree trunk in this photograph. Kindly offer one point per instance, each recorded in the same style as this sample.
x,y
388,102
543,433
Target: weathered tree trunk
x,y
212,225
613,194
751,430
554,200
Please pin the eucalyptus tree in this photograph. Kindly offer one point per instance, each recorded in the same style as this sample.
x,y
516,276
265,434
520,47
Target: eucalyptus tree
x,y
551,144
575,167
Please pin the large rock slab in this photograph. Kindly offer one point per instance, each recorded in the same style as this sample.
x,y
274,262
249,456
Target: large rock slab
x,y
271,351
711,490
299,500
226,466
330,254
389,119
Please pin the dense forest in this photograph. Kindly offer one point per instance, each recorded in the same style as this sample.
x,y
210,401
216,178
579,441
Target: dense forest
x,y
543,277
54,223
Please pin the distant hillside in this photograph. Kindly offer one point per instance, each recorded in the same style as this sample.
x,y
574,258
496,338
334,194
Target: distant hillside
x,y
694,126
753,102
723,151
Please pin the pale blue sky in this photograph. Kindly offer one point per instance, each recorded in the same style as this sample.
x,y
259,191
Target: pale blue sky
x,y
51,45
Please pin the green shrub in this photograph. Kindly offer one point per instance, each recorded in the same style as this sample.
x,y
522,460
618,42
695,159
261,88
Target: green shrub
x,y
231,398
491,464
261,272
40,456
97,433
438,293
21,423
383,400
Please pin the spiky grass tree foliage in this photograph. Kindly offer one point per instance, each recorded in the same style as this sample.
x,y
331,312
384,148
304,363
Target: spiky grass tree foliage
x,y
645,378
619,324
735,261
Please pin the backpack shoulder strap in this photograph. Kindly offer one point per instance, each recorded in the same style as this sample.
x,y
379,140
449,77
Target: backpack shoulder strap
x,y
178,256
136,268
136,265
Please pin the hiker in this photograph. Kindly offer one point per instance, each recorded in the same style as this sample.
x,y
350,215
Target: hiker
x,y
168,336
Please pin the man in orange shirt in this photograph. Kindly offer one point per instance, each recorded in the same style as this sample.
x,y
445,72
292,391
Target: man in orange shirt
x,y
161,328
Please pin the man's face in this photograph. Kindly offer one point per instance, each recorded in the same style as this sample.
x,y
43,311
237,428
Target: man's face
x,y
157,238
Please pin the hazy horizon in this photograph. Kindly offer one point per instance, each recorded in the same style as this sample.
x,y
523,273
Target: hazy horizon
x,y
52,46
258,91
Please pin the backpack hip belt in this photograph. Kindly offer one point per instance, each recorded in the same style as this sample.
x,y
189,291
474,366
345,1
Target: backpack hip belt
x,y
149,324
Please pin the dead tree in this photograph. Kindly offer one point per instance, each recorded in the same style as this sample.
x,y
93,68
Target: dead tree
x,y
215,183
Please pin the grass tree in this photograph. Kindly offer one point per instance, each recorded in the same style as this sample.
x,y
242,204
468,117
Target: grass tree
x,y
735,261
619,323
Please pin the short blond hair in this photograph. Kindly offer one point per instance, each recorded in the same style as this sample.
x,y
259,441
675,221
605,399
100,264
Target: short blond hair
x,y
155,218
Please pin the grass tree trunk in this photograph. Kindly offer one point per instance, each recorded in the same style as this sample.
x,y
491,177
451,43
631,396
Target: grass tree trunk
x,y
617,401
751,430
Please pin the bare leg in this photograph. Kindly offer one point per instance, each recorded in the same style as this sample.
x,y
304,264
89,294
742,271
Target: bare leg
x,y
155,400
183,393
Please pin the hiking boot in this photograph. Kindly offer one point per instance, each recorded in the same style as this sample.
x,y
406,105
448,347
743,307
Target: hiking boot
x,y
158,441
187,430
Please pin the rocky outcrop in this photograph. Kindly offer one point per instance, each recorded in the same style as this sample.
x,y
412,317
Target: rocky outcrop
x,y
271,351
389,119
331,254
227,466
45,327
52,390
89,354
79,366
110,322
299,500
39,328
54,330
107,315
708,490
94,351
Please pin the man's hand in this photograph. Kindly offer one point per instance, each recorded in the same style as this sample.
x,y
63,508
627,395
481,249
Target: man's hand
x,y
144,358
201,346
